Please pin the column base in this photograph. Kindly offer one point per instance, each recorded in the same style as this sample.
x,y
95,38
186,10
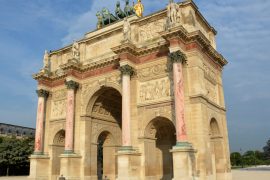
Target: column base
x,y
128,164
183,161
70,166
39,166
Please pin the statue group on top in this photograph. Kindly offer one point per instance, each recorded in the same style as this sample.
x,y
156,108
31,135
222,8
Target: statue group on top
x,y
173,14
105,17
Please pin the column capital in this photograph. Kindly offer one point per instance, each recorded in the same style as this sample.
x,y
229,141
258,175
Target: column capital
x,y
42,93
126,70
72,84
177,57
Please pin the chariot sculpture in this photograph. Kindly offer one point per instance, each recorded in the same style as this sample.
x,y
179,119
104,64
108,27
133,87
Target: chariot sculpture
x,y
104,17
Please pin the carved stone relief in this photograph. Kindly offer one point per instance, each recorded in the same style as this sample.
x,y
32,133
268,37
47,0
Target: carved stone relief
x,y
159,70
59,95
151,30
211,91
209,74
98,127
88,87
58,109
100,111
59,104
59,138
155,90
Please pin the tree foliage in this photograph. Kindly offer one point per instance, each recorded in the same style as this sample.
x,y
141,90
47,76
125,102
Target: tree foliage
x,y
14,154
252,158
266,150
236,159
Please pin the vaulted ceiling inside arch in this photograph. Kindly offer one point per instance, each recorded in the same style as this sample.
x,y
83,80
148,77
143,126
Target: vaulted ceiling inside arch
x,y
108,106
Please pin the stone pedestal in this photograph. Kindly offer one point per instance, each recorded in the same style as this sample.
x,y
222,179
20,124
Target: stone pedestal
x,y
39,169
70,166
183,161
128,164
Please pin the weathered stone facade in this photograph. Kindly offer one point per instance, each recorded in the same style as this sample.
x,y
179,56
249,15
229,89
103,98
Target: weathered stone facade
x,y
148,108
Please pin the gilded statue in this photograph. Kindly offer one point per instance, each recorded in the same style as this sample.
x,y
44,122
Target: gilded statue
x,y
139,8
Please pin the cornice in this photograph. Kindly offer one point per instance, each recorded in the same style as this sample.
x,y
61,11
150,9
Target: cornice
x,y
126,48
99,64
199,38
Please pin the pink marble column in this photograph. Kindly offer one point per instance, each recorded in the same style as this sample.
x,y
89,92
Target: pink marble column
x,y
178,58
127,72
69,136
39,137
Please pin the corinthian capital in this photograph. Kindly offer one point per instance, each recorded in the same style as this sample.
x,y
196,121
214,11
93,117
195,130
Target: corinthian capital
x,y
42,93
127,70
72,84
177,57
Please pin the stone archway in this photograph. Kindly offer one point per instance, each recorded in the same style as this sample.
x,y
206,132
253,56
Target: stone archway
x,y
58,147
217,149
159,140
105,109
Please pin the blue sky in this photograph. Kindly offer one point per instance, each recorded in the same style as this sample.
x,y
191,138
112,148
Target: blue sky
x,y
28,27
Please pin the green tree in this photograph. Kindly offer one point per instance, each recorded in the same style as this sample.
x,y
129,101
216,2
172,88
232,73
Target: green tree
x,y
266,151
14,153
236,159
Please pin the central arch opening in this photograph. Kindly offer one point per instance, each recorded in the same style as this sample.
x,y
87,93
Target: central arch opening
x,y
106,113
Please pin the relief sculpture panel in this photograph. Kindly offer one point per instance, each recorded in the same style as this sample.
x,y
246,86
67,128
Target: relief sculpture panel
x,y
209,74
155,90
157,71
211,91
151,30
59,104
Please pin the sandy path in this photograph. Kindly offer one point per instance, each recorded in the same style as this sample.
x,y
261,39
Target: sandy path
x,y
237,175
250,175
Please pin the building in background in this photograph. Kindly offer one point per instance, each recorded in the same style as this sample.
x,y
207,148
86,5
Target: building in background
x,y
14,130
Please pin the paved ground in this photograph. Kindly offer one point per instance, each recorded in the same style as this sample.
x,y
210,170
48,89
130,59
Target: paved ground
x,y
258,173
251,175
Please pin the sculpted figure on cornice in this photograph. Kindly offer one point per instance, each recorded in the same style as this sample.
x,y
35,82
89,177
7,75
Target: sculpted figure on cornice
x,y
151,30
46,60
155,90
173,13
75,50
126,30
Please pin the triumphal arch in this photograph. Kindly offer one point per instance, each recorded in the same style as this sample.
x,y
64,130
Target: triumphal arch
x,y
139,98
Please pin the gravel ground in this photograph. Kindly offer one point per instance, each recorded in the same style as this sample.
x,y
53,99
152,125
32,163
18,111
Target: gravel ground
x,y
244,174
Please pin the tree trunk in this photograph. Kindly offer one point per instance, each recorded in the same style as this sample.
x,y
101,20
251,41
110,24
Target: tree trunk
x,y
8,171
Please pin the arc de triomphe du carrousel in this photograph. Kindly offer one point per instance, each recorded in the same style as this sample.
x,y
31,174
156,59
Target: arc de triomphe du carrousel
x,y
138,98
